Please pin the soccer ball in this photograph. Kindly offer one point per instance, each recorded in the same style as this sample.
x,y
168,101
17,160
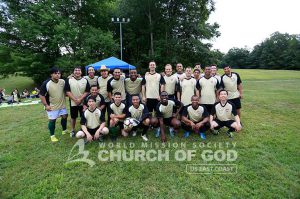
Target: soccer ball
x,y
129,123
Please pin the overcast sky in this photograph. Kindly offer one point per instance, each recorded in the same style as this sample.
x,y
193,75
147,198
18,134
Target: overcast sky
x,y
249,22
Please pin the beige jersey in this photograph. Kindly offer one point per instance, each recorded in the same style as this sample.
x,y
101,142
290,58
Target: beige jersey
x,y
117,110
139,113
195,115
102,84
54,93
224,112
92,119
114,86
230,84
166,111
208,88
77,87
188,89
152,83
171,84
133,87
92,81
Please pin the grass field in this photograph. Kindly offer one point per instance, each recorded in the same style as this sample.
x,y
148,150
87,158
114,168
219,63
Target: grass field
x,y
268,163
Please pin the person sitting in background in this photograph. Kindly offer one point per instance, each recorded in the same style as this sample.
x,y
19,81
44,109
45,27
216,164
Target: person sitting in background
x,y
25,93
15,97
1,96
35,93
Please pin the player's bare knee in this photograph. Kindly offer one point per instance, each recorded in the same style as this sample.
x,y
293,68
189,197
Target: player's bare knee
x,y
146,122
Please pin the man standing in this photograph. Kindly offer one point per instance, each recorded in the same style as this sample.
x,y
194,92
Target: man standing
x,y
92,123
133,86
195,118
152,84
53,98
222,115
171,80
92,79
102,85
100,103
77,89
207,89
232,83
179,71
214,73
116,84
187,87
167,113
139,112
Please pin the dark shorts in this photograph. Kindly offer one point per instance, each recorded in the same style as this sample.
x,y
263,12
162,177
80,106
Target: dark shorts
x,y
151,104
120,124
189,128
208,107
92,131
75,110
236,102
172,97
223,123
167,121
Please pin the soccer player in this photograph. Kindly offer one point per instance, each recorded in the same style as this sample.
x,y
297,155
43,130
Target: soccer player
x,y
117,112
53,97
139,112
195,118
116,84
207,88
133,86
187,87
92,79
100,102
232,83
92,123
167,113
179,71
102,85
171,85
214,73
222,115
77,88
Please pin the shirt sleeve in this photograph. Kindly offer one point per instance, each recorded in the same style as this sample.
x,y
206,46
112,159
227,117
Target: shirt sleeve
x,y
222,82
67,86
102,117
87,86
109,87
198,85
239,81
83,120
205,112
213,110
143,81
158,113
102,102
162,80
145,112
43,89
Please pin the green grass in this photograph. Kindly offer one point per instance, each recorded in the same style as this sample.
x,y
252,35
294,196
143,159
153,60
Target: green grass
x,y
268,163
19,82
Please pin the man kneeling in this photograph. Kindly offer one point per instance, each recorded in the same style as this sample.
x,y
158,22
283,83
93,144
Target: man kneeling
x,y
195,118
222,115
92,123
140,113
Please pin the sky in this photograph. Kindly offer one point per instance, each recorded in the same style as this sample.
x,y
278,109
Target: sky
x,y
246,23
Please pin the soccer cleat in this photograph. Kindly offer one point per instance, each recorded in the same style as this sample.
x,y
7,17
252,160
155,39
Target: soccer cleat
x,y
203,136
144,137
53,138
230,134
157,132
172,132
133,133
215,132
64,132
72,134
186,134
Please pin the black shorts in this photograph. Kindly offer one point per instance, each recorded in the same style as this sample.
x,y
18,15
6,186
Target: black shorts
x,y
120,124
92,131
74,111
223,123
151,104
208,107
167,121
189,128
171,97
236,102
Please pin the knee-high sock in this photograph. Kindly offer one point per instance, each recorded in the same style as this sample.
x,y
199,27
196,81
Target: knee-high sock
x,y
63,123
51,126
145,129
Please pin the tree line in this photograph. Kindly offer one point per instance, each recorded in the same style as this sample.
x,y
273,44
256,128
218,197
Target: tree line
x,y
38,34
